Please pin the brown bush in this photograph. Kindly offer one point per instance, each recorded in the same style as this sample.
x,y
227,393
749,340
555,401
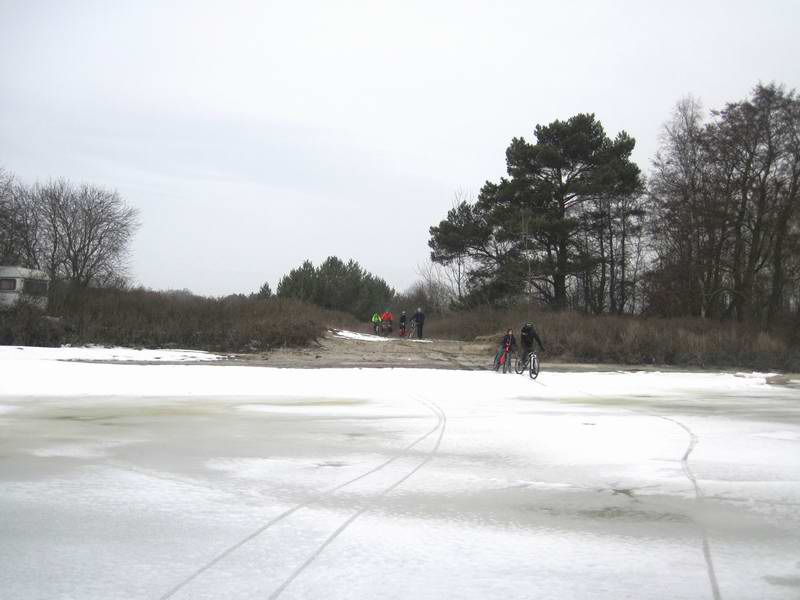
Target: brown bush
x,y
145,318
27,325
571,336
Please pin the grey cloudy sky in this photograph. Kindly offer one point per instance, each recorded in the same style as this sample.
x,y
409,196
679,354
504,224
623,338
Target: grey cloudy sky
x,y
253,135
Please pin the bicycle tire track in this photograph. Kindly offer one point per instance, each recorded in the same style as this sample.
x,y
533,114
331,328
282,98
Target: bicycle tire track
x,y
370,504
698,492
321,496
699,496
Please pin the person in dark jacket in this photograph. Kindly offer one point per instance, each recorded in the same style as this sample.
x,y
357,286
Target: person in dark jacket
x,y
509,344
527,336
419,319
403,324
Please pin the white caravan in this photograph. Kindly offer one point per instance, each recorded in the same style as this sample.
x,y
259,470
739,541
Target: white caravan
x,y
19,282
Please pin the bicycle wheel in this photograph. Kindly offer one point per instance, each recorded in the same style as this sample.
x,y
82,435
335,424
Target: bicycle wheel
x,y
519,365
534,366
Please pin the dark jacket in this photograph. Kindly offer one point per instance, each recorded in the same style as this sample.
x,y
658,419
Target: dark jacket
x,y
402,319
510,341
419,316
528,335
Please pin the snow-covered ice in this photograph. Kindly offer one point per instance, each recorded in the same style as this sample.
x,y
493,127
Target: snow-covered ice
x,y
195,481
103,353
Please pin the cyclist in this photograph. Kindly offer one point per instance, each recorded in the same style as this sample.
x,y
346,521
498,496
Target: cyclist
x,y
507,345
527,336
403,324
387,317
376,323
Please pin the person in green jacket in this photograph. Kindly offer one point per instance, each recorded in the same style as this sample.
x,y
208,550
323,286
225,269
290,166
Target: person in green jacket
x,y
376,322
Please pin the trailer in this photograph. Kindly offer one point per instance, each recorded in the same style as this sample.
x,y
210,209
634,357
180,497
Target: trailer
x,y
17,283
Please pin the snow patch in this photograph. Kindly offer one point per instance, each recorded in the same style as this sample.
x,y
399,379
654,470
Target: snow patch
x,y
101,353
368,337
49,378
361,337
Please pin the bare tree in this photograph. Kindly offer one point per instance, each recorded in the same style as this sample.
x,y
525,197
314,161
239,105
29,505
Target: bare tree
x,y
612,229
7,237
456,270
753,143
83,232
726,196
435,286
786,241
693,203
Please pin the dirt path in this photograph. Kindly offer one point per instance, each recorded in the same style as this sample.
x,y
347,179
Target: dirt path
x,y
334,351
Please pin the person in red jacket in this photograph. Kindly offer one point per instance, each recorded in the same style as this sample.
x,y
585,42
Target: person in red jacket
x,y
387,317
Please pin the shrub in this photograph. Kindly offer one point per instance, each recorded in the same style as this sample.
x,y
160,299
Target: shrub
x,y
571,336
145,318
27,325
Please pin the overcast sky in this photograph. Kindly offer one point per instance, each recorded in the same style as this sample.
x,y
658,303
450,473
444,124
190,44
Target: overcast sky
x,y
253,135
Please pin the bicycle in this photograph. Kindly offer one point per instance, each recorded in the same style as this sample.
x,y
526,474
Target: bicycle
x,y
505,359
530,362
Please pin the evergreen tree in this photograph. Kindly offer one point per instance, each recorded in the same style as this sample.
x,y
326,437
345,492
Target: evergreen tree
x,y
337,285
530,221
300,283
264,292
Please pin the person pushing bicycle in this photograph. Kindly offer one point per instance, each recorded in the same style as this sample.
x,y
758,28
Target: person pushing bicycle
x,y
507,345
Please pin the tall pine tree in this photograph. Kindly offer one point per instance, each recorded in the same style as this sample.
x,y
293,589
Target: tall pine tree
x,y
532,217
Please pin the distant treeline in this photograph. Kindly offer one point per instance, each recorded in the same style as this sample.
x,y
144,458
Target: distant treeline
x,y
713,233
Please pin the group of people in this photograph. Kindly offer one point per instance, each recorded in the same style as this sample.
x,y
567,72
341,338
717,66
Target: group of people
x,y
384,322
508,344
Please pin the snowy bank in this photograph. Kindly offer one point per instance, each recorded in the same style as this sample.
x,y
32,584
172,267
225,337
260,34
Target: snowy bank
x,y
102,353
48,377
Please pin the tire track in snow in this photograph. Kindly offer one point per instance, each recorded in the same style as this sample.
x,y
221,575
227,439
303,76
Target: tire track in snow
x,y
698,495
374,500
316,498
698,492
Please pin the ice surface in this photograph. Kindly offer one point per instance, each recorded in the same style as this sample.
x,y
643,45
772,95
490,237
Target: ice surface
x,y
194,481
